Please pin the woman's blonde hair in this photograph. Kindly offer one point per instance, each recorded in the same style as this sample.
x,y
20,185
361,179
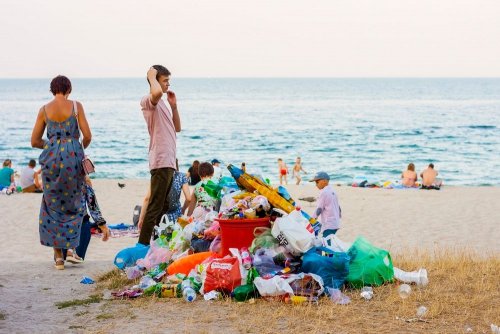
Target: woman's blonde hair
x,y
411,167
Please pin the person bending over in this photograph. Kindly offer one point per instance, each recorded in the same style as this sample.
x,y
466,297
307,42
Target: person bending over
x,y
328,208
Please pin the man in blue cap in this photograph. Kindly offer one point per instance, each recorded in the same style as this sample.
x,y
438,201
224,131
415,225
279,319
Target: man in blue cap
x,y
328,205
217,169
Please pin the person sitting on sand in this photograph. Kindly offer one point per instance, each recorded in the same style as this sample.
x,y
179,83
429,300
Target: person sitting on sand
x,y
409,176
328,208
201,198
429,180
297,168
7,177
283,171
29,178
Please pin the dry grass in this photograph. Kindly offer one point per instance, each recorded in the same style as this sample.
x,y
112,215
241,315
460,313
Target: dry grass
x,y
464,290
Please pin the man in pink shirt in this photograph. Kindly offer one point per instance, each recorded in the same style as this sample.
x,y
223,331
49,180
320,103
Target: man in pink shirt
x,y
328,205
163,123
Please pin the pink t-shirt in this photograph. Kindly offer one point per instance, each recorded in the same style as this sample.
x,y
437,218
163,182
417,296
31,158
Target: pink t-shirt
x,y
162,142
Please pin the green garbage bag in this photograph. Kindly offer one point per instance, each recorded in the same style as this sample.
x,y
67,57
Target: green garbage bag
x,y
369,265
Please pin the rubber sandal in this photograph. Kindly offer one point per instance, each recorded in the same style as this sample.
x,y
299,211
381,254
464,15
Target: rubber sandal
x,y
59,263
73,258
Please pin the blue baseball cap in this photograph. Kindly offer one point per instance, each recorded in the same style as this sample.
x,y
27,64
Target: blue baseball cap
x,y
215,161
320,176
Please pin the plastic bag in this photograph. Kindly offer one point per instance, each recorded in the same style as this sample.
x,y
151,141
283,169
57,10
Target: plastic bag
x,y
306,284
275,286
128,257
369,265
222,275
294,232
332,267
335,244
155,256
263,239
264,263
216,245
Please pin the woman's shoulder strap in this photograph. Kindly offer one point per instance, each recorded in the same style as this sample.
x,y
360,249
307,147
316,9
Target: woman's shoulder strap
x,y
75,108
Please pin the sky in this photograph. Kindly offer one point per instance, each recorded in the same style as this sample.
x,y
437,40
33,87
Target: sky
x,y
233,38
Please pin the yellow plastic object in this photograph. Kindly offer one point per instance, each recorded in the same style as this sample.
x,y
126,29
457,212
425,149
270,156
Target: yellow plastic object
x,y
272,196
244,195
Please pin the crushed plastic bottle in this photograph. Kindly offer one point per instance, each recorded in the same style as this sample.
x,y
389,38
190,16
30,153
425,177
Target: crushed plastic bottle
x,y
404,291
367,292
421,311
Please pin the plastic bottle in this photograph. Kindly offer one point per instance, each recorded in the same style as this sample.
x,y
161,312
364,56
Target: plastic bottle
x,y
245,258
187,291
303,299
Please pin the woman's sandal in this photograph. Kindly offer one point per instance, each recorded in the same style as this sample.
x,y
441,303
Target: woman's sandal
x,y
59,263
71,257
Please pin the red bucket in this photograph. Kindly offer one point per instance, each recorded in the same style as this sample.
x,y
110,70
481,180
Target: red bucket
x,y
238,233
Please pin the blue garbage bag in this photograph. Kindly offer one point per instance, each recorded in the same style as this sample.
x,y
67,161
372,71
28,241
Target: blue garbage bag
x,y
128,257
332,267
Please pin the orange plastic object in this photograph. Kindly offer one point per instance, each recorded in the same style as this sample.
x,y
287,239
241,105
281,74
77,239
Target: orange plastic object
x,y
185,264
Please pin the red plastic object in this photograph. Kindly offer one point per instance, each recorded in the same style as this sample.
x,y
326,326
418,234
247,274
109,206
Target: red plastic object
x,y
237,233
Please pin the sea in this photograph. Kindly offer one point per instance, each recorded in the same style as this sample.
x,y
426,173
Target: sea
x,y
350,127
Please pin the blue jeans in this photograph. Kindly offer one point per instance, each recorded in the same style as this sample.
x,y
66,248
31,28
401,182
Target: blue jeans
x,y
329,232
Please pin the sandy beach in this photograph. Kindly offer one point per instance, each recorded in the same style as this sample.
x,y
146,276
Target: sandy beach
x,y
399,220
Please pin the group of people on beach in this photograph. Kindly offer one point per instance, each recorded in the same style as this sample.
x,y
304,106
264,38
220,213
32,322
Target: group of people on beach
x,y
296,171
68,197
29,178
429,178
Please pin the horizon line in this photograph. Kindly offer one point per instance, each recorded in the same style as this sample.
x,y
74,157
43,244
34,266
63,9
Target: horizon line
x,y
266,77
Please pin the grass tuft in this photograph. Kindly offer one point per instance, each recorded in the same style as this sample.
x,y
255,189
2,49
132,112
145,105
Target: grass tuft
x,y
79,302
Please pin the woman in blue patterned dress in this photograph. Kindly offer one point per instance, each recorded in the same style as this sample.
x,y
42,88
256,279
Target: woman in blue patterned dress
x,y
63,202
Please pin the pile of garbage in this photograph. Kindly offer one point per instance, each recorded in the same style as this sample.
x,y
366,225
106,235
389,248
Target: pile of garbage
x,y
258,244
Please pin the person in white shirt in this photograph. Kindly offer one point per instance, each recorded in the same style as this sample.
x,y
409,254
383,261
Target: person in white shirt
x,y
217,170
328,205
29,178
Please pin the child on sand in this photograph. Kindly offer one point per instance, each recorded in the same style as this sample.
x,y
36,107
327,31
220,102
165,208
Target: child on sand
x,y
297,168
283,171
202,199
328,205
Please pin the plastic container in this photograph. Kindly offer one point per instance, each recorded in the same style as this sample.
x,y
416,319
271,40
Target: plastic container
x,y
418,277
404,291
238,233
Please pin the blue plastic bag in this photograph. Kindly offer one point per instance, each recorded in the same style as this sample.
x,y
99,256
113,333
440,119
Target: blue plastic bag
x,y
128,257
332,267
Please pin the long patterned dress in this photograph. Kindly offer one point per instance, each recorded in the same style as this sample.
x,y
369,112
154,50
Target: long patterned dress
x,y
63,201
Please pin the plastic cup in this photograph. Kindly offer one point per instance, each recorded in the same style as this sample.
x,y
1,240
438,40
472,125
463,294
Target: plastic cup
x,y
404,291
421,311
